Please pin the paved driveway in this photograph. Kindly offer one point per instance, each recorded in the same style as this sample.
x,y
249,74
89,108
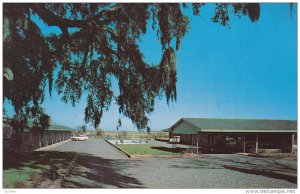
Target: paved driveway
x,y
99,165
94,147
212,171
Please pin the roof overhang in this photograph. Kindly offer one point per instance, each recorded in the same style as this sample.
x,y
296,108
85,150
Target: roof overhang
x,y
193,130
197,130
245,131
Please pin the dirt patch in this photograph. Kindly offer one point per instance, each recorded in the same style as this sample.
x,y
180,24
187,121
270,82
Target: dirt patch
x,y
20,184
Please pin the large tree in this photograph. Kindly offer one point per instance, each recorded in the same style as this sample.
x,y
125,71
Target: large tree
x,y
103,45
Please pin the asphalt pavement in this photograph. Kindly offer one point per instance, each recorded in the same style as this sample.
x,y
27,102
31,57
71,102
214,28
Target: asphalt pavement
x,y
93,146
100,165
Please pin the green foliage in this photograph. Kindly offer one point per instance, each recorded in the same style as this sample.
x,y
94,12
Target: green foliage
x,y
28,56
148,130
123,135
104,46
83,127
99,133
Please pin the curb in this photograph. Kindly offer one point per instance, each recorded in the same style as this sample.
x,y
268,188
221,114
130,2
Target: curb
x,y
165,156
52,145
151,156
127,154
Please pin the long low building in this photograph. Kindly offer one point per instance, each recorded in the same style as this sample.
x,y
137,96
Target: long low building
x,y
236,135
31,139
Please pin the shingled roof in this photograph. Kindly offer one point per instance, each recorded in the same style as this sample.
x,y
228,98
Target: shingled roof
x,y
52,127
56,127
195,125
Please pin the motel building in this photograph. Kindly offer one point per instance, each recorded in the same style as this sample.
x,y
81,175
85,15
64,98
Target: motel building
x,y
237,135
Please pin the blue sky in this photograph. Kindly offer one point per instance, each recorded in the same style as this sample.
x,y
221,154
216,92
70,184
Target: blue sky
x,y
246,71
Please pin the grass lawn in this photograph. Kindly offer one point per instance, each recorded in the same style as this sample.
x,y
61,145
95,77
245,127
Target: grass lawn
x,y
20,177
148,149
28,170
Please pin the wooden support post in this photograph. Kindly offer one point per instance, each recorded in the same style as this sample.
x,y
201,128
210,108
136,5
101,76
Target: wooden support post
x,y
256,146
293,142
244,144
197,144
192,146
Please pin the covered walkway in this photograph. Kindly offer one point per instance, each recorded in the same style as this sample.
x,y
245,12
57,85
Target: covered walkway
x,y
237,135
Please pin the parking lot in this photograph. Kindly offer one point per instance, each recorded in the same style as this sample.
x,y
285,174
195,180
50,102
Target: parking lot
x,y
100,165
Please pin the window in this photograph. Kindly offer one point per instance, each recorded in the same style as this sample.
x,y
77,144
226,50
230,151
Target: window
x,y
233,140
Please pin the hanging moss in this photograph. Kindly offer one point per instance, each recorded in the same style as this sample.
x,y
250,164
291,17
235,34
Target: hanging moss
x,y
104,45
168,73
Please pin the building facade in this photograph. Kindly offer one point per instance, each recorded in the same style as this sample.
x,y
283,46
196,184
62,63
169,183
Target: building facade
x,y
237,135
30,140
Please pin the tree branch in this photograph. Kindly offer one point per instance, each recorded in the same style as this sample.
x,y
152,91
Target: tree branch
x,y
54,20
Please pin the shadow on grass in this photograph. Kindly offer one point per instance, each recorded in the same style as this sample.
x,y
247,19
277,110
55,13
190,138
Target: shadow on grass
x,y
88,172
166,149
34,160
163,140
31,165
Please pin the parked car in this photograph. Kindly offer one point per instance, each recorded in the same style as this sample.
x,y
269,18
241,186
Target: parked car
x,y
80,138
174,139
